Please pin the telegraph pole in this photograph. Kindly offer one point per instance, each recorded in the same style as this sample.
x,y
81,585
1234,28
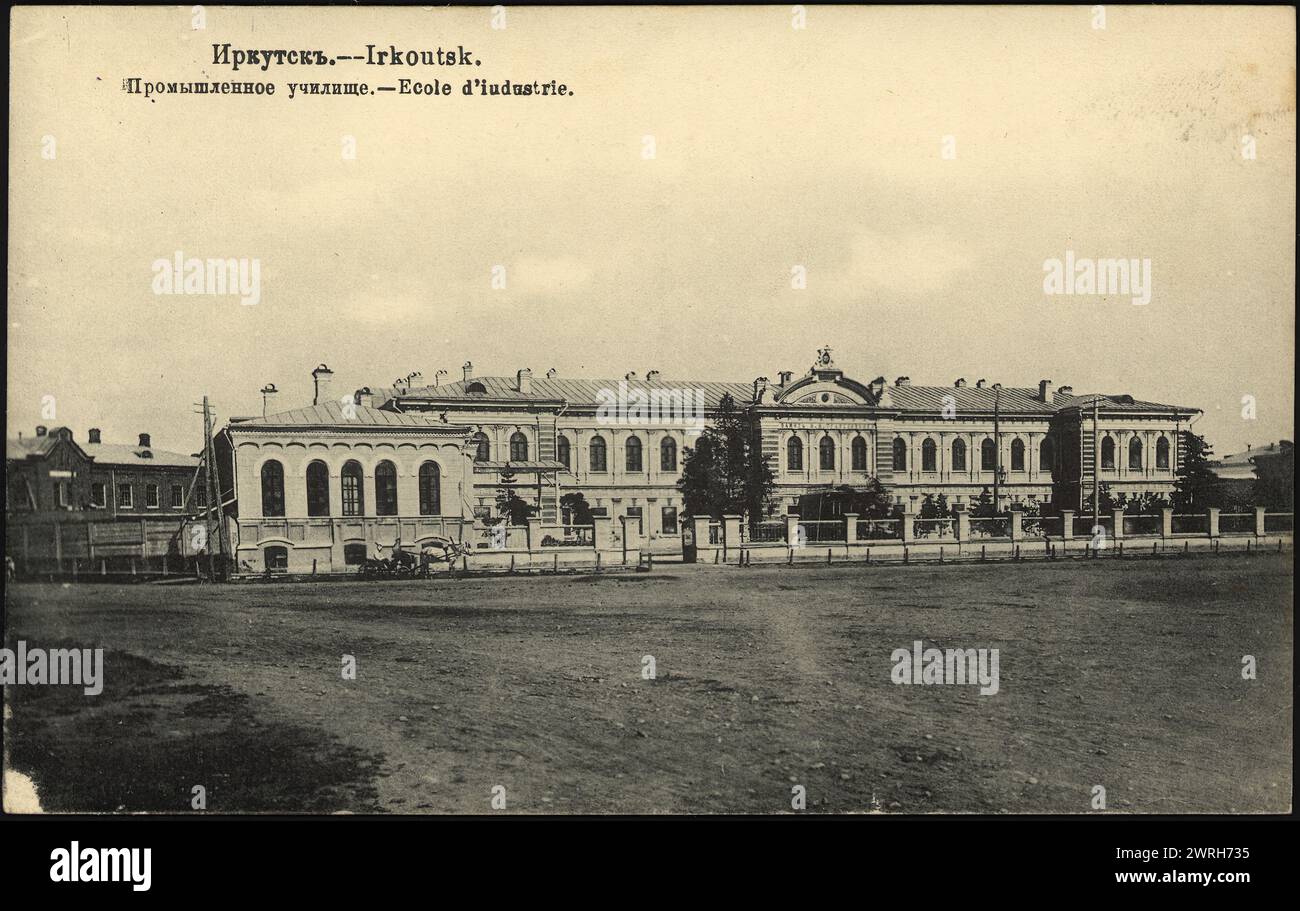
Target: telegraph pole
x,y
213,489
997,450
1096,462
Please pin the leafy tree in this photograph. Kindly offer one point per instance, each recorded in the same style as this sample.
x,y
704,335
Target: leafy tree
x,y
1275,485
725,473
578,508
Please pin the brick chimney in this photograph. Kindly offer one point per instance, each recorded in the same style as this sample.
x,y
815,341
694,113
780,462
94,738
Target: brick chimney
x,y
878,386
92,435
1066,390
651,375
468,370
903,381
322,377
785,376
269,393
365,397
41,430
979,384
144,441
1045,393
960,384
524,381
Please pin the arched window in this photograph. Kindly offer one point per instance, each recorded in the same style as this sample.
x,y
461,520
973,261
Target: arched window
x,y
598,454
632,454
900,454
1045,454
318,489
958,455
988,455
385,489
354,499
1135,454
1107,452
668,454
859,454
562,452
430,489
794,454
518,447
929,455
1017,455
826,454
276,558
1162,453
482,448
272,488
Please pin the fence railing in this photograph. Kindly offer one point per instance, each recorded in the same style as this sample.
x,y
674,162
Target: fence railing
x,y
1190,524
1236,523
879,529
822,531
762,532
995,527
934,529
1040,526
1279,521
568,536
1142,525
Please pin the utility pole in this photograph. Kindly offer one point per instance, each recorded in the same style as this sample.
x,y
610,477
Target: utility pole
x,y
213,488
1096,462
997,450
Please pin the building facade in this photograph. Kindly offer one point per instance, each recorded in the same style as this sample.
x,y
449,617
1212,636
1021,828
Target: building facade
x,y
319,487
88,507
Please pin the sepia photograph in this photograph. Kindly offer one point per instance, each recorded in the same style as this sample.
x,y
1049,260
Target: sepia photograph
x,y
649,411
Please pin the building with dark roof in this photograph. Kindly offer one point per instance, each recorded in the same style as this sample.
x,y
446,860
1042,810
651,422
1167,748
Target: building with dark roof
x,y
620,443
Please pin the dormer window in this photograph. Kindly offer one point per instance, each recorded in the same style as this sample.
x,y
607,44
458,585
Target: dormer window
x,y
476,388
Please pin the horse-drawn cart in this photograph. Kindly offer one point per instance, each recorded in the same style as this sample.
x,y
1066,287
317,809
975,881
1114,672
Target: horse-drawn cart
x,y
405,564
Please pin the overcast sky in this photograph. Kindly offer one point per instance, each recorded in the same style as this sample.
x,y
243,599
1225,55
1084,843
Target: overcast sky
x,y
820,147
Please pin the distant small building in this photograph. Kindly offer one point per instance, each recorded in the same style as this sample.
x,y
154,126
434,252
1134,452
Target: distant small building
x,y
1264,473
94,507
52,473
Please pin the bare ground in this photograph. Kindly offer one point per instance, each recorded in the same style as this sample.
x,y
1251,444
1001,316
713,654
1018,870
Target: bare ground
x,y
1125,674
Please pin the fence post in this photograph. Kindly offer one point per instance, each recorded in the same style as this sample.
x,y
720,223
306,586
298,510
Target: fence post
x,y
730,536
1017,530
850,527
1212,520
1259,521
602,532
791,529
1167,522
1117,519
909,529
1067,524
963,525
534,534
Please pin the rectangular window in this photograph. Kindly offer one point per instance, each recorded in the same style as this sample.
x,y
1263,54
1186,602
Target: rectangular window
x,y
98,495
668,520
125,500
61,492
151,496
201,496
178,496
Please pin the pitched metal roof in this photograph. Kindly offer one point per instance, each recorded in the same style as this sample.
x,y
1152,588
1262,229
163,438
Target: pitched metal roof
x,y
907,398
574,391
331,414
101,453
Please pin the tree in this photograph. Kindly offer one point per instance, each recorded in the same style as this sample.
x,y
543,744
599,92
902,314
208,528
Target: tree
x,y
1275,478
1196,486
725,473
514,509
577,507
